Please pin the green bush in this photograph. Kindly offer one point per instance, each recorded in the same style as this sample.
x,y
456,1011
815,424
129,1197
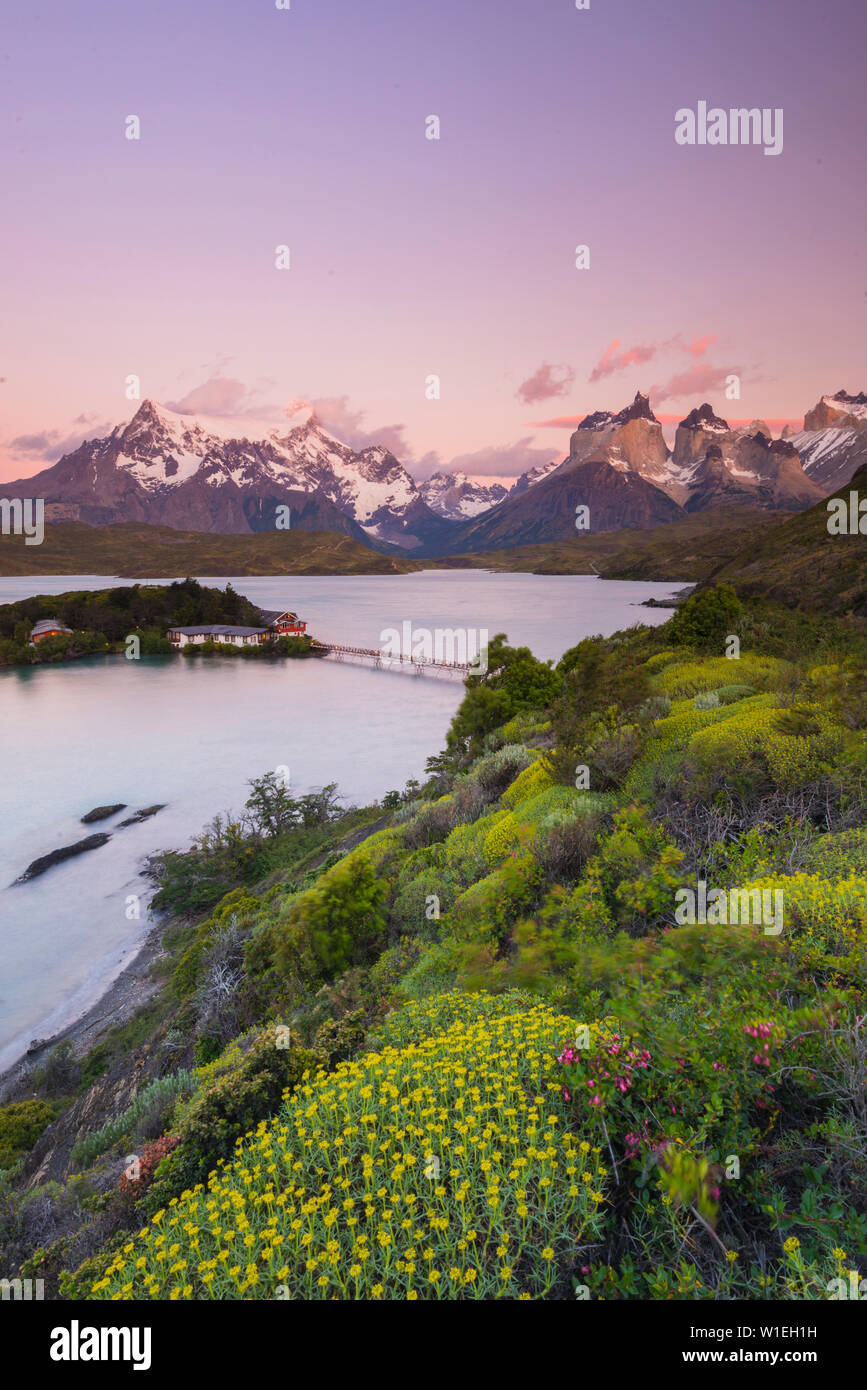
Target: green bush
x,y
706,619
220,1113
21,1124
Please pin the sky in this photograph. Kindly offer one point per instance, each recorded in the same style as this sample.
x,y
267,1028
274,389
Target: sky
x,y
412,258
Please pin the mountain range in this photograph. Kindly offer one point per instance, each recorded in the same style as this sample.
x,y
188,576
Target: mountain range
x,y
197,473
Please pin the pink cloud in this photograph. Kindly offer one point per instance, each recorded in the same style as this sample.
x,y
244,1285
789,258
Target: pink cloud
x,y
614,361
219,395
546,381
500,460
695,381
699,346
558,422
347,424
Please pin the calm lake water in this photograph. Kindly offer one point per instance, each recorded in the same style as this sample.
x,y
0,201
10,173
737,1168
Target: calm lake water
x,y
191,733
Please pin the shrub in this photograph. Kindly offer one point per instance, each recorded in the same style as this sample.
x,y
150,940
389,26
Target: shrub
x,y
244,1094
153,1100
21,1124
567,845
410,911
333,925
753,743
495,772
688,678
431,825
706,619
485,1219
531,780
133,1185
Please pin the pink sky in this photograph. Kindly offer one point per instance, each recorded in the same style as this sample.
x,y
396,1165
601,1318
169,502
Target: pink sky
x,y
412,257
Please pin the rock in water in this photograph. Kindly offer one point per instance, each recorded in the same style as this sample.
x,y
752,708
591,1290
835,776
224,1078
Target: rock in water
x,y
47,861
102,813
143,814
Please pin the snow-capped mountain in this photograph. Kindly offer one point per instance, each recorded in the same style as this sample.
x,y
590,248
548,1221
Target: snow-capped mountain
x,y
535,475
833,442
620,467
200,474
457,497
204,474
713,464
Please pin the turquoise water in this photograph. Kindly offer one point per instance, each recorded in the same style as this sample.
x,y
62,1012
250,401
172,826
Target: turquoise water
x,y
192,733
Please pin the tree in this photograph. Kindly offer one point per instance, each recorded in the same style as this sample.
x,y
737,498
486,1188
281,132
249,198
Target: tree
x,y
600,689
706,619
515,681
271,807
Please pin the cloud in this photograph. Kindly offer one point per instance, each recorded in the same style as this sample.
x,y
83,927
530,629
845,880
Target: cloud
x,y
695,381
347,423
614,361
50,445
501,460
546,381
558,422
699,346
219,395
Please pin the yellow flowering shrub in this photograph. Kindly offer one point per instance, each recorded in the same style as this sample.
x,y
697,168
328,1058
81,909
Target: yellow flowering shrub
x,y
671,736
689,677
834,915
503,838
439,1169
753,735
533,779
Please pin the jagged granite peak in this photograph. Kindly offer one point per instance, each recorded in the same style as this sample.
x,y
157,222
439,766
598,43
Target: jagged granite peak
x,y
833,441
750,470
631,441
758,427
703,417
604,419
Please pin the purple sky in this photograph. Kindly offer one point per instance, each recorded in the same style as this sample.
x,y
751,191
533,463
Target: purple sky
x,y
412,257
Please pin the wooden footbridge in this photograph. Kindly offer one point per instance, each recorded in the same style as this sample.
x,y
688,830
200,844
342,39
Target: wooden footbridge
x,y
371,656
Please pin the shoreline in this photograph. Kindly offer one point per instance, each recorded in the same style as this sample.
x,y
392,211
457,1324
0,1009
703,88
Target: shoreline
x,y
130,987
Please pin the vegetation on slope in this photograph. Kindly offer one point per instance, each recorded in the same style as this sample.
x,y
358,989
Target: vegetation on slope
x,y
479,1053
684,551
132,550
802,564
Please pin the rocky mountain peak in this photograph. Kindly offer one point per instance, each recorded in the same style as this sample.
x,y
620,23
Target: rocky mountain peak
x,y
703,418
638,410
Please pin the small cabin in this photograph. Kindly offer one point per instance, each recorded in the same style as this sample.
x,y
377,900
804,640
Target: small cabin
x,y
48,627
224,633
284,624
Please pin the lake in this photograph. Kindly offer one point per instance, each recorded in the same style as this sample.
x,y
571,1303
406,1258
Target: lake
x,y
191,733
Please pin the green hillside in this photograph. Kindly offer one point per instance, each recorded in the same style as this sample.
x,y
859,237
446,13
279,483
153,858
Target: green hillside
x,y
802,565
684,551
468,1044
134,551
